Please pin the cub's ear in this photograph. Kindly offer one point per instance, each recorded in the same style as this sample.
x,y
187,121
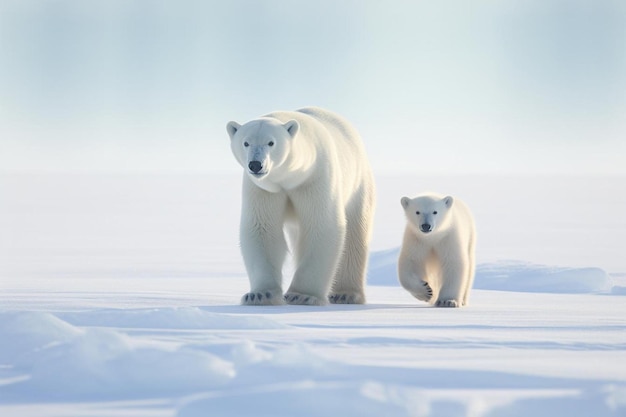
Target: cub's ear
x,y
232,128
448,201
292,127
405,202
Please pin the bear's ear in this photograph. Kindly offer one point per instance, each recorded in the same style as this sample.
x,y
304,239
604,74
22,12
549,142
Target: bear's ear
x,y
405,202
292,127
232,128
448,201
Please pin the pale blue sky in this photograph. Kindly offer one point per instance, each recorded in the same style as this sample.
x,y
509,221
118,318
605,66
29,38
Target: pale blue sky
x,y
457,86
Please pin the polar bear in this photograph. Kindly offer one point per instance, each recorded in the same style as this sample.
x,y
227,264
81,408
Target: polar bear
x,y
306,175
437,258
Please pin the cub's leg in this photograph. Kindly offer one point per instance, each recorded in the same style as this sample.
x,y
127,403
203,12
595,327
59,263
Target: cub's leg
x,y
412,276
454,277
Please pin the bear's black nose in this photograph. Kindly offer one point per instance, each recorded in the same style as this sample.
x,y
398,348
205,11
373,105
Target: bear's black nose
x,y
426,228
255,166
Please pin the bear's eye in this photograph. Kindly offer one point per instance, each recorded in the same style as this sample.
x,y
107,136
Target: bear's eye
x,y
246,144
417,212
434,212
271,143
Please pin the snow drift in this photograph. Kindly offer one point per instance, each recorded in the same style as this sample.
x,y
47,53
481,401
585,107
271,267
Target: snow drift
x,y
61,361
513,275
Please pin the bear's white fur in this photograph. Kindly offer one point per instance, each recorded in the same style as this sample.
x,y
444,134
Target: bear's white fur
x,y
305,173
437,260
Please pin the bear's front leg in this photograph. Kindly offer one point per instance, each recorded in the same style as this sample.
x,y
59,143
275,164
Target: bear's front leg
x,y
412,277
263,244
453,283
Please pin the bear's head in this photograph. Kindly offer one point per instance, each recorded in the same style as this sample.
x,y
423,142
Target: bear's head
x,y
261,146
427,214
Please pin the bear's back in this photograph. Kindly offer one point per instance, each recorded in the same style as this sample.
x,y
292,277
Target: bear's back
x,y
316,117
332,121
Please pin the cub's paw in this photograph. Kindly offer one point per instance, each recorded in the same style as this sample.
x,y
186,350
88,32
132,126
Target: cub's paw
x,y
425,293
448,303
263,298
347,298
296,298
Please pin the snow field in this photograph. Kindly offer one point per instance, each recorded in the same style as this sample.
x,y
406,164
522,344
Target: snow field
x,y
119,297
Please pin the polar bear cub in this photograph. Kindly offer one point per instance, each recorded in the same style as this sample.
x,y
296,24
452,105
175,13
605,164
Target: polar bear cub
x,y
437,259
306,174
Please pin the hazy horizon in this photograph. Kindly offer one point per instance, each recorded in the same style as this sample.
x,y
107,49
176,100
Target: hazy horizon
x,y
534,87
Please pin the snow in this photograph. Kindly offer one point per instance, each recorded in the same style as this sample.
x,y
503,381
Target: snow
x,y
119,297
522,276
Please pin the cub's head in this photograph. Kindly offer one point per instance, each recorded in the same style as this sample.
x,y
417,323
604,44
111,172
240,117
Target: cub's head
x,y
262,145
427,214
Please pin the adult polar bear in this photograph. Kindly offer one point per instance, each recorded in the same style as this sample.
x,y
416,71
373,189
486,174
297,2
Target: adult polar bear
x,y
306,173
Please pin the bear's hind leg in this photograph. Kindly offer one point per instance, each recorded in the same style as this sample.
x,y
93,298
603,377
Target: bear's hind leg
x,y
349,280
321,234
471,269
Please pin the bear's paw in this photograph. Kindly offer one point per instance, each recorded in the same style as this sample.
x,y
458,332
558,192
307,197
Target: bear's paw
x,y
448,303
297,298
425,293
263,298
347,298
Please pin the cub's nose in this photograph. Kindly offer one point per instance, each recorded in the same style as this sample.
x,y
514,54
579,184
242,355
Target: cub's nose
x,y
255,166
426,228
